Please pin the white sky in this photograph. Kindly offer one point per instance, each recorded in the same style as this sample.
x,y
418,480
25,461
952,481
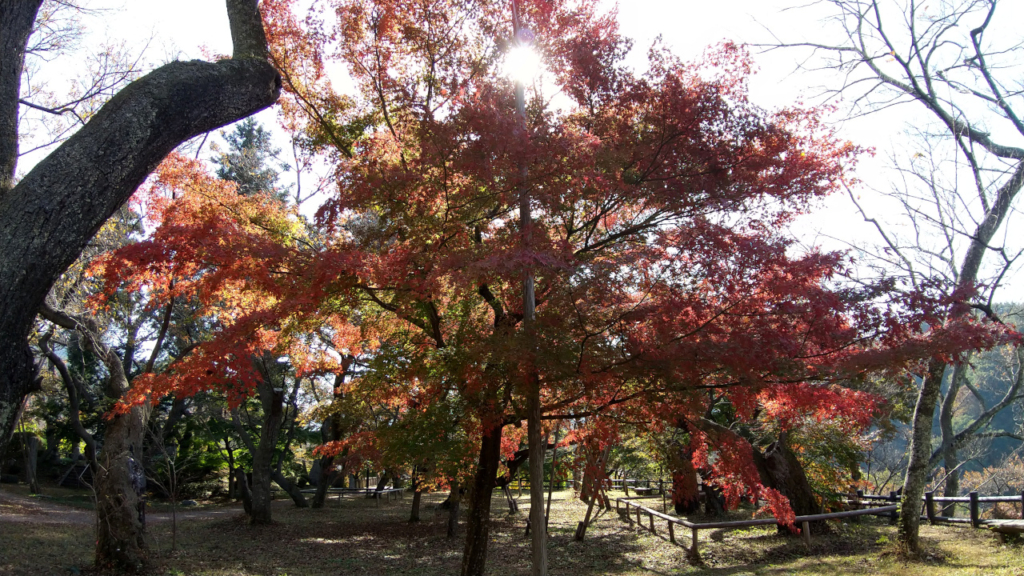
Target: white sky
x,y
179,29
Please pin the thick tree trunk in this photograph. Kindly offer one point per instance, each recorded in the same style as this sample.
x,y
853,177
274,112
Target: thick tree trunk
x,y
780,469
16,20
55,210
714,501
920,452
327,477
478,526
262,497
685,485
120,543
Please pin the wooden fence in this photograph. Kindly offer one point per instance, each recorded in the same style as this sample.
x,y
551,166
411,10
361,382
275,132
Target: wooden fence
x,y
695,528
864,504
973,500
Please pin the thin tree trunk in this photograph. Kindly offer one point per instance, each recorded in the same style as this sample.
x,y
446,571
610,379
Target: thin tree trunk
x,y
950,458
474,558
31,445
243,490
291,489
592,489
414,516
232,482
554,468
454,503
920,452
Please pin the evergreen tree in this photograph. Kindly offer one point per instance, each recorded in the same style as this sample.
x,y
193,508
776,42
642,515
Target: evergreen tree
x,y
249,160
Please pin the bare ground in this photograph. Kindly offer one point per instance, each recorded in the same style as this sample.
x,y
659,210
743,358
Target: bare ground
x,y
356,536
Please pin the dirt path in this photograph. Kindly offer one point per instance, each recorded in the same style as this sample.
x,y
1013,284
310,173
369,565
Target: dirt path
x,y
21,509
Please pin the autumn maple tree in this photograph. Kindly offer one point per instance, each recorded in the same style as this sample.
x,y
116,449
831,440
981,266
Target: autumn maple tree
x,y
666,286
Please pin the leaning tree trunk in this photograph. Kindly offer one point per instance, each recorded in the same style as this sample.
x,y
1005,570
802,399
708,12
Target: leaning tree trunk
x,y
298,498
385,477
120,543
52,213
593,477
920,452
780,469
474,558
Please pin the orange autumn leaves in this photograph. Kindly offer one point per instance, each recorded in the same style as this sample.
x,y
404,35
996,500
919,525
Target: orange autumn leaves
x,y
234,259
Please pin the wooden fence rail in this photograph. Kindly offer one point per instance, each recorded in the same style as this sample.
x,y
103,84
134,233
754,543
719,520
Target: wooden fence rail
x,y
695,528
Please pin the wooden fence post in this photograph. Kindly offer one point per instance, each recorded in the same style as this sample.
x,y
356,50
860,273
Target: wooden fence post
x,y
929,506
805,531
651,518
975,516
894,514
671,532
860,498
1022,505
694,551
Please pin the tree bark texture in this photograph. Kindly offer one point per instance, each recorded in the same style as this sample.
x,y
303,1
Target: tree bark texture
x,y
51,214
780,469
474,558
950,454
120,543
16,20
920,452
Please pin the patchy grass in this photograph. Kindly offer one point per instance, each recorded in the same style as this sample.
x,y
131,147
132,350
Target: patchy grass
x,y
355,536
